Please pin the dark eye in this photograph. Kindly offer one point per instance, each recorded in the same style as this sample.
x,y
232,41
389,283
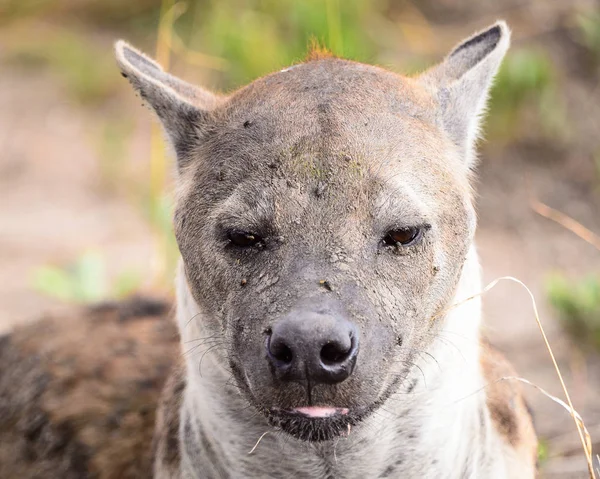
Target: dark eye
x,y
244,239
402,237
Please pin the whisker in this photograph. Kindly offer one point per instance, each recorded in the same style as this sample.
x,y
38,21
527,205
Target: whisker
x,y
190,320
205,338
197,346
205,353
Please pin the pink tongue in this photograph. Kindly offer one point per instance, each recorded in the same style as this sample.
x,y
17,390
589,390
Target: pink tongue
x,y
314,411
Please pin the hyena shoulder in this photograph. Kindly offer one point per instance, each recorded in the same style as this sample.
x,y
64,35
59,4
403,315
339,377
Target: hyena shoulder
x,y
79,392
509,412
166,446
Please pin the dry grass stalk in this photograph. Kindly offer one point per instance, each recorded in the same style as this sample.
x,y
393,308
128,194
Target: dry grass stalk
x,y
584,436
567,222
590,237
258,442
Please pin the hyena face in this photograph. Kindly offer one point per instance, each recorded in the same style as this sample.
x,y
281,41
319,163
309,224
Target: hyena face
x,y
324,216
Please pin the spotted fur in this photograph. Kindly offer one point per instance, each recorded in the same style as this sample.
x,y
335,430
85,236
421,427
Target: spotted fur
x,y
320,161
79,392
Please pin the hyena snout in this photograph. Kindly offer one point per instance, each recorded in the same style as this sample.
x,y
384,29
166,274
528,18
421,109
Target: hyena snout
x,y
314,346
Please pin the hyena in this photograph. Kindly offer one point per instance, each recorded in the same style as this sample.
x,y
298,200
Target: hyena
x,y
327,291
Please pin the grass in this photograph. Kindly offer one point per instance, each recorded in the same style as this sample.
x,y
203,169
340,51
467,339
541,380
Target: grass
x,y
578,307
78,63
587,23
543,452
582,431
577,302
525,90
84,281
112,141
271,34
596,159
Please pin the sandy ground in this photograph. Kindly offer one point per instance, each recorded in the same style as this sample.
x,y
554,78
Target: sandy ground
x,y
52,209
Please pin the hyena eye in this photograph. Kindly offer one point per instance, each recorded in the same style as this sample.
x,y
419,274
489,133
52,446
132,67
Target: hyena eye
x,y
244,239
403,236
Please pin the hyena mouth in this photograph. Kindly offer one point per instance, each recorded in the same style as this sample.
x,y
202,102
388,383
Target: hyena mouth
x,y
315,424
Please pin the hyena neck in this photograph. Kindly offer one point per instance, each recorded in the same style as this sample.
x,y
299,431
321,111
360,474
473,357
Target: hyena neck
x,y
439,420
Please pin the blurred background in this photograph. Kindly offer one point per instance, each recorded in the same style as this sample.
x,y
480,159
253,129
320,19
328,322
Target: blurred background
x,y
85,183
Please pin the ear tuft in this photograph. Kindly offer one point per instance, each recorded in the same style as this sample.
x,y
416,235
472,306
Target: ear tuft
x,y
462,83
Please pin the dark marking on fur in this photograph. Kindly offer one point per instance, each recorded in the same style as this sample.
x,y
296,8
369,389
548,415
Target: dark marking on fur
x,y
505,402
388,472
166,445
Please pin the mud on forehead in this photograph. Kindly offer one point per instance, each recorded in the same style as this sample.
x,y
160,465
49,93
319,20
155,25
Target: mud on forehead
x,y
331,128
320,99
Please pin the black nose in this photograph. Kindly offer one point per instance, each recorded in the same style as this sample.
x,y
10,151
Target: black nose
x,y
314,346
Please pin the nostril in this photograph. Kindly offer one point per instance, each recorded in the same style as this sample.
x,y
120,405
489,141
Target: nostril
x,y
280,351
283,353
334,353
320,348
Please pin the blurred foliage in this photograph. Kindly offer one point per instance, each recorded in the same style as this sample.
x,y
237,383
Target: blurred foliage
x,y
597,165
542,452
112,143
239,41
158,210
588,25
578,305
233,42
105,13
525,84
84,281
82,69
271,34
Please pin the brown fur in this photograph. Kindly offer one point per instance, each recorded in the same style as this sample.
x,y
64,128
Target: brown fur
x,y
78,394
166,441
508,409
316,51
321,162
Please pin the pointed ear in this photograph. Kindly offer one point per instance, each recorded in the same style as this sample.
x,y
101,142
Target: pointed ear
x,y
183,109
462,83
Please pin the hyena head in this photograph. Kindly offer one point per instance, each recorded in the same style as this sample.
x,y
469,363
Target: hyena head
x,y
324,215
